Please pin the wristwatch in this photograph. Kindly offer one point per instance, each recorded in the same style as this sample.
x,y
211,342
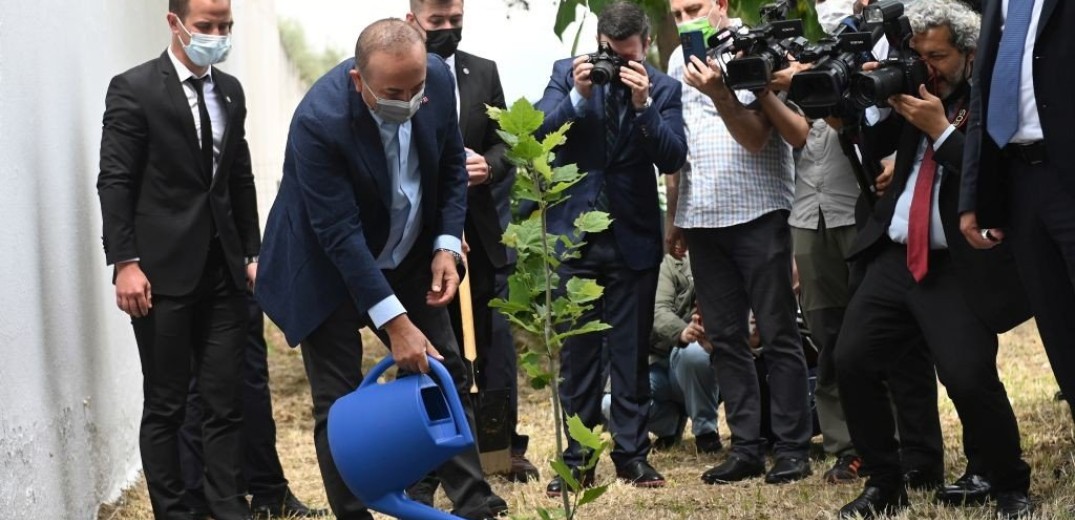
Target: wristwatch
x,y
457,256
647,104
247,260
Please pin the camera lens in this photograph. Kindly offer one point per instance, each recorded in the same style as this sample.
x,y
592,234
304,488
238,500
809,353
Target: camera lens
x,y
874,87
603,72
823,86
750,72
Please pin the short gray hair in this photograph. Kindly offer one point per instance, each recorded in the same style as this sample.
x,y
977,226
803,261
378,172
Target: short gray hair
x,y
963,22
387,35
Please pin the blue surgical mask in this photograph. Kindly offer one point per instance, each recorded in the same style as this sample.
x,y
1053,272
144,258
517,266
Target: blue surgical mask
x,y
394,111
206,49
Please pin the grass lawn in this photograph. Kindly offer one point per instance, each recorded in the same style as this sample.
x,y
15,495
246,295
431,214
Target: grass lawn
x,y
1045,425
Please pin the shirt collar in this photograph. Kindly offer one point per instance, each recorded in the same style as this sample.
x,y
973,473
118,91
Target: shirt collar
x,y
183,73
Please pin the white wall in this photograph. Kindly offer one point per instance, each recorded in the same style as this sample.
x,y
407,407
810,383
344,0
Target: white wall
x,y
70,380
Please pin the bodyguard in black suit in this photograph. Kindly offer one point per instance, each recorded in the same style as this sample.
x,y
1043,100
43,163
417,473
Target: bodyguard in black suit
x,y
621,131
180,222
923,282
1019,183
489,262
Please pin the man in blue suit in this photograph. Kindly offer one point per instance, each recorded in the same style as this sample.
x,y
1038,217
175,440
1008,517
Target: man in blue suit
x,y
365,231
622,130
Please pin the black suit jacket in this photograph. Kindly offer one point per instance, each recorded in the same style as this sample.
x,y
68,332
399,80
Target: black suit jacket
x,y
985,177
489,204
157,203
987,277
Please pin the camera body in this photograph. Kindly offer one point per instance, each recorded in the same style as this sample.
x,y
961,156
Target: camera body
x,y
764,50
901,73
820,90
829,88
606,65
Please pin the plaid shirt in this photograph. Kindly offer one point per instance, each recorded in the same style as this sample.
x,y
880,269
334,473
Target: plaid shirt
x,y
722,183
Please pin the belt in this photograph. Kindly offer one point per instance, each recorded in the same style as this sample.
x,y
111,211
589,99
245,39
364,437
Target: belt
x,y
1030,153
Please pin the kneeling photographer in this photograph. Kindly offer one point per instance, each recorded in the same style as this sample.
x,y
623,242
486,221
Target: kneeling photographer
x,y
924,284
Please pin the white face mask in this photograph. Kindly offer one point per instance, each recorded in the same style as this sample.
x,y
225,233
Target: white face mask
x,y
206,49
394,111
831,12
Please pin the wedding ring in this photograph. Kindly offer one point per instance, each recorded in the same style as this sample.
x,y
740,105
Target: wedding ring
x,y
985,234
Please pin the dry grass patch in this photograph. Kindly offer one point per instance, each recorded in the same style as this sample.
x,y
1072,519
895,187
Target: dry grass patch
x,y
1045,425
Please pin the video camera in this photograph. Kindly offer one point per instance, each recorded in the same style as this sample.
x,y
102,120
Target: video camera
x,y
902,72
836,85
606,65
763,49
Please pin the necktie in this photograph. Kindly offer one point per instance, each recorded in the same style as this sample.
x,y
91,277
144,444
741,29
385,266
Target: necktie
x,y
919,218
207,126
612,131
397,218
1003,120
612,121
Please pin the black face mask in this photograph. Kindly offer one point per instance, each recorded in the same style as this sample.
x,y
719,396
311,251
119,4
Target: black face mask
x,y
443,41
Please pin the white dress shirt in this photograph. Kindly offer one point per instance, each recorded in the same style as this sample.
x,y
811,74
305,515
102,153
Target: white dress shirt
x,y
214,103
406,204
1029,122
897,229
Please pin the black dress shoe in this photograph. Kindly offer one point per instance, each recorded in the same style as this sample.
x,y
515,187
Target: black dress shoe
x,y
874,502
289,507
923,479
522,470
733,469
788,469
640,474
556,485
968,490
708,442
1013,504
497,506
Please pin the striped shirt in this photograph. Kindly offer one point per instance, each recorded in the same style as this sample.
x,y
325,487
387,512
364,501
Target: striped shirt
x,y
723,184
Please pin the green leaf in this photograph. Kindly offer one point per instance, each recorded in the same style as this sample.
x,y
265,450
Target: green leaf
x,y
582,290
589,438
591,494
593,222
561,469
540,382
527,149
567,173
509,139
595,455
556,138
593,326
564,16
521,119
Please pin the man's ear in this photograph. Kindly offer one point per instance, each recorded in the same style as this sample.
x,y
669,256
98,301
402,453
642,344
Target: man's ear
x,y
356,80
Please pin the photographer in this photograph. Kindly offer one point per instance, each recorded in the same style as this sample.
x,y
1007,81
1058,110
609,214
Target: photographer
x,y
627,119
823,229
732,209
924,282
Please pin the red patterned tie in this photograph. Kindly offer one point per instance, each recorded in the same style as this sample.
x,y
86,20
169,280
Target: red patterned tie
x,y
918,220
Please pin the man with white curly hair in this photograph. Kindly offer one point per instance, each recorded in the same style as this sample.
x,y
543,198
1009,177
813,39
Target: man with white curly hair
x,y
925,282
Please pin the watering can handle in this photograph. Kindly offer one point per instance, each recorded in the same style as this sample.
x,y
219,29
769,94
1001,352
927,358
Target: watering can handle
x,y
441,376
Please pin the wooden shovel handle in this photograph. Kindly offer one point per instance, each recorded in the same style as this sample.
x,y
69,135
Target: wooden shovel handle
x,y
466,313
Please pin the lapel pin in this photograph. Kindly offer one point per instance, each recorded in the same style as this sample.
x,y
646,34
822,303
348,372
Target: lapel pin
x,y
466,71
425,99
227,99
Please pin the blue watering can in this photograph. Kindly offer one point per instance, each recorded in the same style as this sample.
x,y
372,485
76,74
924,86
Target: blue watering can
x,y
386,437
